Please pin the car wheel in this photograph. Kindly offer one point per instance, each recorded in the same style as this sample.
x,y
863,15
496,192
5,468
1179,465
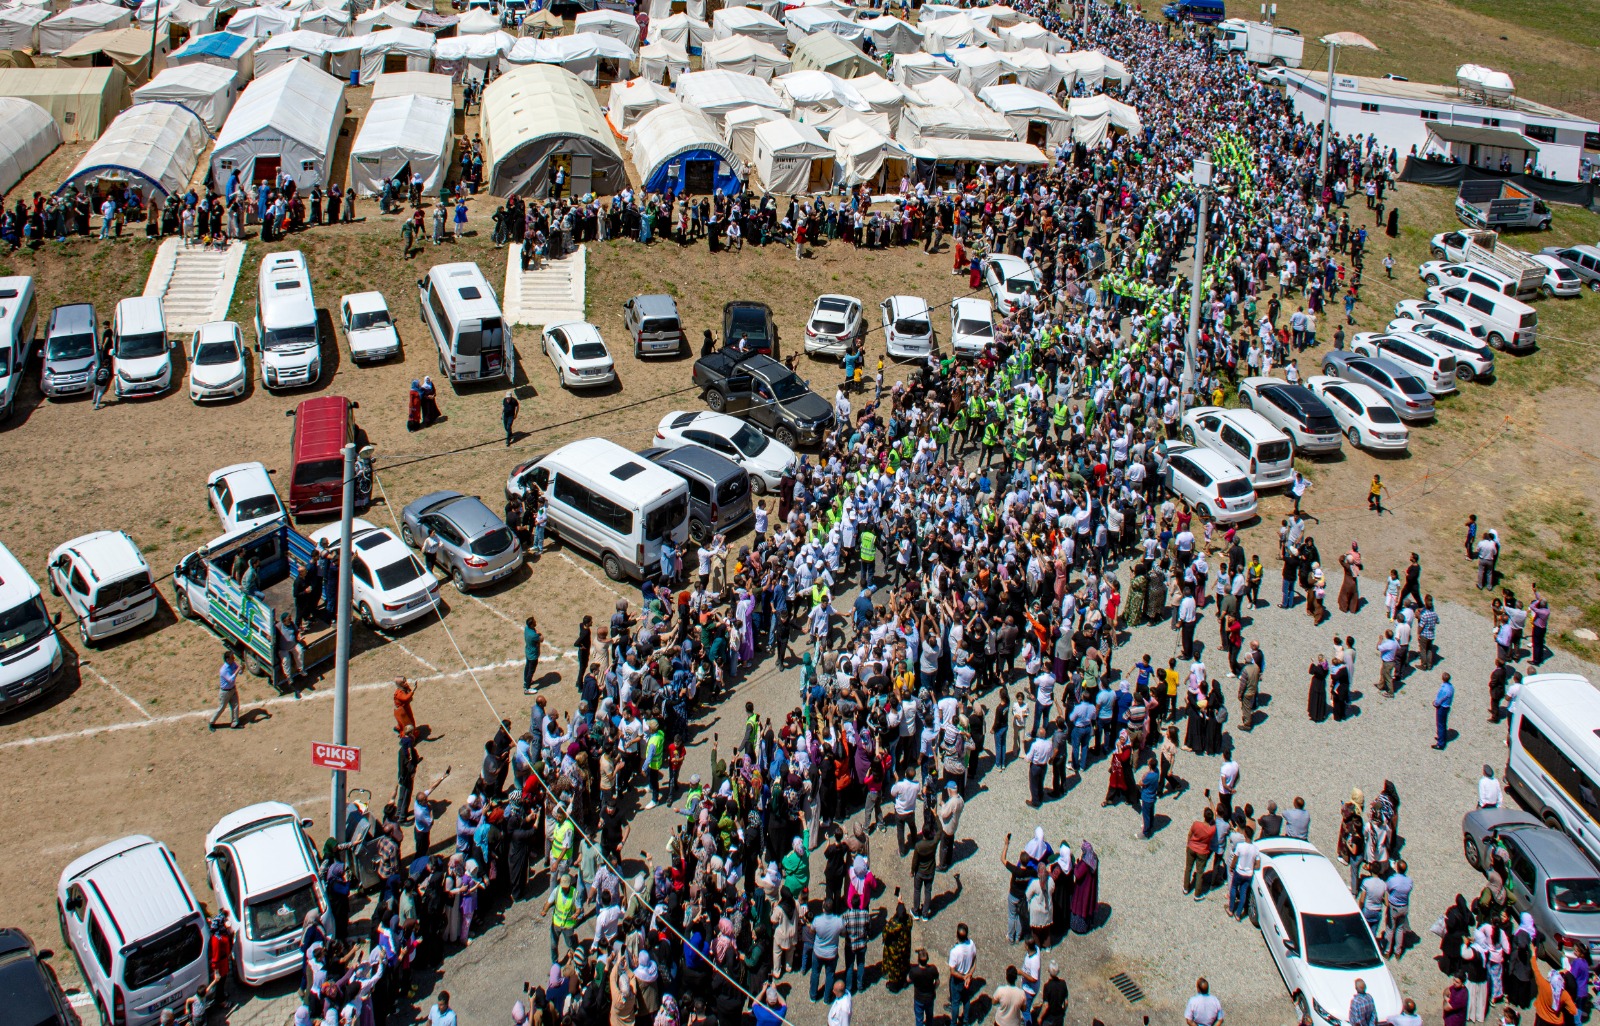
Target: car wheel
x,y
1255,914
785,436
1496,340
1354,436
1246,401
613,566
758,484
1436,252
1277,62
83,634
253,663
365,612
716,400
1188,435
1553,821
1463,372
405,536
697,530
180,599
458,579
1544,225
55,589
1469,848
1432,279
1304,1006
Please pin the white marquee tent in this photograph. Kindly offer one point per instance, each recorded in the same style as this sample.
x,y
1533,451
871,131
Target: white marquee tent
x,y
891,35
60,32
400,137
1093,118
979,66
1035,116
580,54
689,33
395,15
205,89
744,55
151,146
994,18
955,32
287,119
1036,69
747,21
819,90
791,158
477,22
395,49
862,154
615,24
1092,68
913,69
1030,35
220,49
413,83
631,100
28,134
19,30
803,21
883,96
663,61
326,20
296,44
537,116
739,129
715,93
968,119
261,22
197,19
465,58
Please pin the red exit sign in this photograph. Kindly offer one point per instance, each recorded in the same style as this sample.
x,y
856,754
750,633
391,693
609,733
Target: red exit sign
x,y
335,757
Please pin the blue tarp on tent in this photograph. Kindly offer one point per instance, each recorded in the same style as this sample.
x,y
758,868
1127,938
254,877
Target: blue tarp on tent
x,y
215,44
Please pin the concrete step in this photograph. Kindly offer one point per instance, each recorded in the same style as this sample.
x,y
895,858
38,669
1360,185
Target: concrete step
x,y
194,285
553,293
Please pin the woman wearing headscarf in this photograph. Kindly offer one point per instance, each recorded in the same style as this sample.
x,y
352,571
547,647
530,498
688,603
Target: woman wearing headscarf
x,y
785,933
797,870
1061,893
1458,925
1317,698
1085,889
667,1014
896,959
646,976
1216,720
472,885
1037,849
1339,690
1475,964
1040,904
1120,771
414,406
1520,963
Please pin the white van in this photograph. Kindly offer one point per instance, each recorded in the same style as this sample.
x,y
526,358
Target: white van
x,y
263,870
462,313
1511,323
30,652
288,336
138,934
1244,438
105,581
141,352
1554,765
19,316
610,503
907,327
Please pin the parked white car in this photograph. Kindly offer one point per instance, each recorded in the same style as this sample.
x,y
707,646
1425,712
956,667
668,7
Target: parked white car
x,y
1434,365
1315,933
1009,278
835,322
1368,421
765,459
1559,279
243,497
263,870
1245,439
368,328
1449,316
1294,410
1210,484
217,362
105,581
1443,272
388,587
971,327
579,354
907,327
1474,359
1275,76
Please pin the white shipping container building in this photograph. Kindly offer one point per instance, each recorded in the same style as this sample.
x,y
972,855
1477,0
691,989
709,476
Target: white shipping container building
x,y
1406,114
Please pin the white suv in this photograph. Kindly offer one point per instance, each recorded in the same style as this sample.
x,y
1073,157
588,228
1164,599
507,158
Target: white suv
x,y
907,327
243,497
264,873
1209,483
106,583
1245,439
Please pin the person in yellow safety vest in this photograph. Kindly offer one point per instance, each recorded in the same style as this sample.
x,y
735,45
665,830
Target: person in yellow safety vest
x,y
562,833
869,555
1060,416
567,904
991,441
655,760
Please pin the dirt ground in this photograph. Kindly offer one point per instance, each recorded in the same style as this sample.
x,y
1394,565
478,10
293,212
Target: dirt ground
x,y
122,746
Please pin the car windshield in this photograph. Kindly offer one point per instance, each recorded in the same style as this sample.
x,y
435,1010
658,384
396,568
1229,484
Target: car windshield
x,y
164,955
282,915
399,573
23,624
1234,488
1382,415
752,324
71,347
589,351
826,327
788,387
1339,942
296,335
750,441
211,354
138,347
1580,895
493,543
1409,385
911,326
984,329
369,319
258,506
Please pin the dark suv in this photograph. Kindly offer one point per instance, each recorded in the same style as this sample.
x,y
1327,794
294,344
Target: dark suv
x,y
764,392
754,322
719,489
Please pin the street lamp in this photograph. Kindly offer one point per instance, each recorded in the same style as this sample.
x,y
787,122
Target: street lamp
x,y
1200,178
1334,41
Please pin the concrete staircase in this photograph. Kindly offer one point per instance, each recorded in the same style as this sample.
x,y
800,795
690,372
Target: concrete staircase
x,y
549,295
195,283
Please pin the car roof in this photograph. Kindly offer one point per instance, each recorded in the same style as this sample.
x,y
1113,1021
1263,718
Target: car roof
x,y
838,297
242,473
470,514
364,302
214,331
25,985
905,306
321,427
1211,462
72,318
139,883
655,305
16,585
1556,853
110,554
695,458
264,836
578,331
974,303
1248,421
1314,884
1360,389
721,423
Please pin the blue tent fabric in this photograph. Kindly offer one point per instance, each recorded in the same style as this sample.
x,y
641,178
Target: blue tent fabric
x,y
669,173
215,44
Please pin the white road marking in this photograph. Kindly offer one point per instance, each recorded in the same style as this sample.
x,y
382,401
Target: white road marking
x,y
397,643
490,608
585,572
315,696
102,679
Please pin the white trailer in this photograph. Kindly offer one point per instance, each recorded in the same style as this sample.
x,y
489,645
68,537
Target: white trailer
x,y
1262,43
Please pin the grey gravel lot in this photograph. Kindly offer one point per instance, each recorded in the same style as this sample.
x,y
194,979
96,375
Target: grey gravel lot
x,y
1160,938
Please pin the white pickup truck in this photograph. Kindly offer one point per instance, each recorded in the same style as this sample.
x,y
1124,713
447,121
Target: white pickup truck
x,y
1486,249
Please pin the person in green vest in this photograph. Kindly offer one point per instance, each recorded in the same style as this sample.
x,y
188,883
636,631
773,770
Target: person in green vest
x,y
566,903
991,441
752,727
869,554
655,752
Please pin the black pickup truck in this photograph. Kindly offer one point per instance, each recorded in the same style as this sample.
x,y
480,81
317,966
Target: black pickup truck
x,y
764,392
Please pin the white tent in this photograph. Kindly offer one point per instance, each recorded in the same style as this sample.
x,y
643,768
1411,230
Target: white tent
x,y
287,119
913,69
60,32
220,49
791,158
965,120
19,30
1036,69
413,83
803,21
744,55
676,146
402,136
747,21
818,90
862,153
395,49
1092,68
1093,118
883,96
739,129
931,13
477,22
993,18
615,24
825,121
979,66
465,58
1030,35
261,22
151,146
715,93
205,89
326,20
195,18
1035,116
296,44
940,92
28,134
955,32
344,56
395,15
891,35
580,54
771,7
663,61
988,151
689,33
631,100
539,117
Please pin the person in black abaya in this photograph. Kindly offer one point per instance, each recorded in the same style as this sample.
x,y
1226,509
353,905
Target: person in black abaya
x,y
1317,699
521,837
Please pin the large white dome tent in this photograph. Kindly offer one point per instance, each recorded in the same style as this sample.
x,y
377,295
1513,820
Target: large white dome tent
x,y
541,115
153,147
28,134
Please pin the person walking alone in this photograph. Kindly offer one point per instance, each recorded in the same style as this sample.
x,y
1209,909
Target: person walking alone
x,y
1441,711
227,691
508,415
532,640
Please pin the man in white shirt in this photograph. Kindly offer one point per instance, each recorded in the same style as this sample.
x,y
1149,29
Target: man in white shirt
x,y
1186,621
1244,870
963,959
1489,792
1203,1009
839,1011
905,793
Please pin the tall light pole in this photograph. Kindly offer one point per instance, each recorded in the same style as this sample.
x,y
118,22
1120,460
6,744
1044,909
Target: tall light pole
x,y
341,664
1200,178
1334,41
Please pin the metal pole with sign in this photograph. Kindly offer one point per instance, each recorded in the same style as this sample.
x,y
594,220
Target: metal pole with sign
x,y
1200,177
341,665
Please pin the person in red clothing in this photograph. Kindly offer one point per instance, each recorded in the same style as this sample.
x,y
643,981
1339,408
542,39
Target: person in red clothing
x,y
220,957
1202,839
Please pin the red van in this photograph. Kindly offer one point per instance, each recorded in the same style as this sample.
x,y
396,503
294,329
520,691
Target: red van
x,y
322,428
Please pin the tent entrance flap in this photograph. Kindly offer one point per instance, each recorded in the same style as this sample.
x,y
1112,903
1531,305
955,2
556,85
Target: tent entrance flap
x,y
266,168
581,174
699,177
821,175
1038,133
